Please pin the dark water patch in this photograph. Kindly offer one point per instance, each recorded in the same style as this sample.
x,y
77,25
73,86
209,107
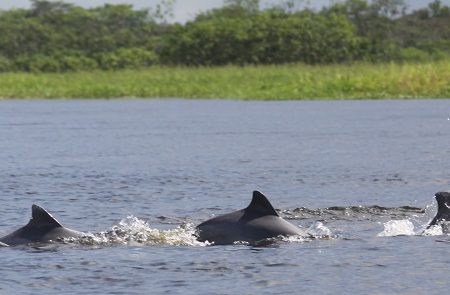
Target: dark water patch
x,y
351,213
445,241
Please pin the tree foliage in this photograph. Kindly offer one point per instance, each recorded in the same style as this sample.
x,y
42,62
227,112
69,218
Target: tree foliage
x,y
266,37
56,36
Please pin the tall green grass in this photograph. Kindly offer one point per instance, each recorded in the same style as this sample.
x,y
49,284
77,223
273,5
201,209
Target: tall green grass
x,y
357,81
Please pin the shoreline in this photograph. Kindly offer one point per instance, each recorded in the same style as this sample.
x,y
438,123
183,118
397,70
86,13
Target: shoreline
x,y
270,82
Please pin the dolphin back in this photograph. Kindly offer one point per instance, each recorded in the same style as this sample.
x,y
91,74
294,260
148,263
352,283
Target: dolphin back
x,y
42,227
258,221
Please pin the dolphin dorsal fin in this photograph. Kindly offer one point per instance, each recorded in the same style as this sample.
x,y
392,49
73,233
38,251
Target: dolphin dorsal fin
x,y
261,205
443,210
42,217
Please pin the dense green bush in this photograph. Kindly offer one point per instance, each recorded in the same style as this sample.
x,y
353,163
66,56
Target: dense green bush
x,y
37,63
5,64
53,36
267,37
53,63
76,63
124,58
412,54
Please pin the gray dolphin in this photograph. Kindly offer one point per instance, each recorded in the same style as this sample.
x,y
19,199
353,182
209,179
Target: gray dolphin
x,y
42,227
443,213
256,223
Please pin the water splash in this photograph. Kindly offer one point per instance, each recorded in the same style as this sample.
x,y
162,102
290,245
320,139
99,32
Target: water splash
x,y
435,230
415,224
319,231
403,220
134,231
295,239
406,227
397,228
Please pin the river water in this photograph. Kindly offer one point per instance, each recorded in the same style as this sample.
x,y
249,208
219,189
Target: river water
x,y
140,174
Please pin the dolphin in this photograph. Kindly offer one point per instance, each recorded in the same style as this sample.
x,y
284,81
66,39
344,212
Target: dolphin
x,y
42,228
254,224
443,213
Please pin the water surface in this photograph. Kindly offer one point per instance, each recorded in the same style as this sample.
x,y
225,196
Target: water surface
x,y
154,168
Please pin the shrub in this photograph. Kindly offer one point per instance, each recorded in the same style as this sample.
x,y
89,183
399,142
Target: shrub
x,y
37,63
5,64
412,54
76,63
126,58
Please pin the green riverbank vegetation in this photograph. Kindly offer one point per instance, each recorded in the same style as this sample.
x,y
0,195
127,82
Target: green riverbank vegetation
x,y
55,36
269,82
246,49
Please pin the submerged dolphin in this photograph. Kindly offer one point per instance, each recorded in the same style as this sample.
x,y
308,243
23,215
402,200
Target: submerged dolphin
x,y
42,227
257,222
443,213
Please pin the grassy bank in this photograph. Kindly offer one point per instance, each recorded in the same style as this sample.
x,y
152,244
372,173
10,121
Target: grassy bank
x,y
430,80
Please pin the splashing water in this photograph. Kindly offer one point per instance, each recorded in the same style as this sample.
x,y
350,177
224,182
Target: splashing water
x,y
319,231
415,224
316,231
435,230
397,228
134,231
404,221
406,228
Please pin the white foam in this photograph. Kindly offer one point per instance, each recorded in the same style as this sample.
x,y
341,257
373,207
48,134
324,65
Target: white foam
x,y
295,239
435,230
134,231
319,230
415,225
397,228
